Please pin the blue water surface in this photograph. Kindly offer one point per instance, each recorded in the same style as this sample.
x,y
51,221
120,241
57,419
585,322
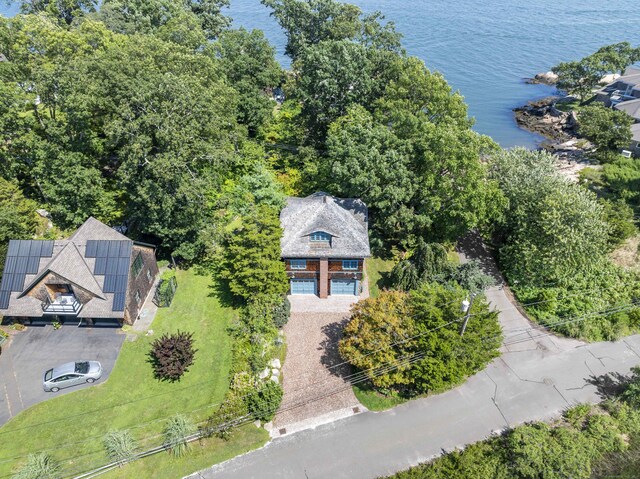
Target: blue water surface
x,y
485,48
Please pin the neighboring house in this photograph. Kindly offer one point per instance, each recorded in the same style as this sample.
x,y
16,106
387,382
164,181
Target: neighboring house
x,y
96,276
324,244
632,108
624,94
624,88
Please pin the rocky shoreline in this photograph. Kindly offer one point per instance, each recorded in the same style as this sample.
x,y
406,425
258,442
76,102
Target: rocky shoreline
x,y
560,128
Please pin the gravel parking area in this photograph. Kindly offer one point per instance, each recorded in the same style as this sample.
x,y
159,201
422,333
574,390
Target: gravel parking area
x,y
315,390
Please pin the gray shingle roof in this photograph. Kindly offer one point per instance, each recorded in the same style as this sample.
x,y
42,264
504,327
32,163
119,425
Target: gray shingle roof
x,y
631,108
635,132
346,220
70,261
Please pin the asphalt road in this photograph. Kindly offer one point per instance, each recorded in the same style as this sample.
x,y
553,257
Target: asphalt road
x,y
536,378
31,352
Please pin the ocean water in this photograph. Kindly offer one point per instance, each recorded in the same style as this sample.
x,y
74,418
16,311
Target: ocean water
x,y
486,48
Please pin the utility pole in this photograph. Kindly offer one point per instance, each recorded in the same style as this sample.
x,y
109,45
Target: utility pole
x,y
466,307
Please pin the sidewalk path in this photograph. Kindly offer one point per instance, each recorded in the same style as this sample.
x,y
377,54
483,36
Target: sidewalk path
x,y
536,378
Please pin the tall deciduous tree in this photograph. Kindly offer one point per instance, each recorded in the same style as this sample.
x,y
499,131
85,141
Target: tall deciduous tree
x,y
249,63
609,129
64,10
17,217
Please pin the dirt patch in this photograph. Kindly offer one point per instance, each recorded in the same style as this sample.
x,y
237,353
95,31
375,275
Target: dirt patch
x,y
627,254
313,373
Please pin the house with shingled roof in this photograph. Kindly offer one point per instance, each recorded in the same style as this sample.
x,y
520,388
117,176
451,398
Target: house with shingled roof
x,y
96,276
325,243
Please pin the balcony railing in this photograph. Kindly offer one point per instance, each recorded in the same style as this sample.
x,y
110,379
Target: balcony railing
x,y
63,304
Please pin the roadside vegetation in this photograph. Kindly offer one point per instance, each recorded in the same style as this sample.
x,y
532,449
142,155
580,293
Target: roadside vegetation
x,y
553,246
596,442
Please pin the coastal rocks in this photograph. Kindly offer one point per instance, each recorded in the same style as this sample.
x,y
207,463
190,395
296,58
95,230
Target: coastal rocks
x,y
544,118
546,78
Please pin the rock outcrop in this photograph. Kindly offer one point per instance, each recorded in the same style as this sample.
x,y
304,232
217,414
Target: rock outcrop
x,y
546,78
544,118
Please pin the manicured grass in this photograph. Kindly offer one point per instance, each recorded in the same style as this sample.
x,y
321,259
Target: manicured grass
x,y
71,427
374,401
376,274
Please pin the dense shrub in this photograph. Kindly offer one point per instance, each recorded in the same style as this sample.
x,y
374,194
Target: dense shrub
x,y
384,331
229,415
119,446
39,466
281,313
264,402
429,262
175,433
171,355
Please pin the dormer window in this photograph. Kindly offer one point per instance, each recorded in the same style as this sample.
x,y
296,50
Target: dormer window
x,y
319,236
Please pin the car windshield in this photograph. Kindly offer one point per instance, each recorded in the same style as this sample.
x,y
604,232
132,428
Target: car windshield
x,y
48,374
82,367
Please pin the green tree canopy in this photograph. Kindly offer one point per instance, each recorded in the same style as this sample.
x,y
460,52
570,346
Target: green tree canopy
x,y
148,16
582,76
607,128
17,217
419,334
249,63
250,262
553,229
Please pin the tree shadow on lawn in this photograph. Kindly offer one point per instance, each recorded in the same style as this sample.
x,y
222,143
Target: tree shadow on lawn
x,y
331,358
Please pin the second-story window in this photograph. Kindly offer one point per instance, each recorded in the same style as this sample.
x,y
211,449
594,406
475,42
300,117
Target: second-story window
x,y
136,267
320,236
298,264
350,264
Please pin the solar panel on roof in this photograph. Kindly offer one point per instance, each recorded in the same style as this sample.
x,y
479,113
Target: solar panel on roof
x,y
24,248
125,249
121,284
118,302
4,299
21,264
47,249
33,265
91,249
100,266
102,249
13,247
35,249
123,266
109,284
114,249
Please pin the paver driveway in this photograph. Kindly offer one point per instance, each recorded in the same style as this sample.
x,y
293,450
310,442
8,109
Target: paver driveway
x,y
315,391
31,352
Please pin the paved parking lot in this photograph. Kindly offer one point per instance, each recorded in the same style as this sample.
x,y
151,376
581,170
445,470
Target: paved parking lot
x,y
31,352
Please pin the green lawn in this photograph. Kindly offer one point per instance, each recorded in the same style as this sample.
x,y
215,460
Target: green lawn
x,y
72,426
376,274
373,400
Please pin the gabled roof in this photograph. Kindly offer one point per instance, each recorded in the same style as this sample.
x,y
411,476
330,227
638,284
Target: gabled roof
x,y
346,220
96,258
92,229
70,265
631,108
